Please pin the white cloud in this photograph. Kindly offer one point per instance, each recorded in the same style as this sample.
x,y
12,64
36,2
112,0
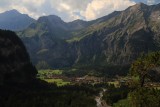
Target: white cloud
x,y
30,7
35,2
150,2
68,10
99,8
65,6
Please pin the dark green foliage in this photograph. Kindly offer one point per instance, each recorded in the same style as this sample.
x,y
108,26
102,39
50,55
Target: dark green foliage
x,y
144,97
15,65
42,65
144,65
113,95
108,71
69,96
113,70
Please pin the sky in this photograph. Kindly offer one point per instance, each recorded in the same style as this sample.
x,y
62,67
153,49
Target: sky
x,y
70,10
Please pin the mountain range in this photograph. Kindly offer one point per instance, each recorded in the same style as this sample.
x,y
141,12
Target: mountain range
x,y
15,21
116,39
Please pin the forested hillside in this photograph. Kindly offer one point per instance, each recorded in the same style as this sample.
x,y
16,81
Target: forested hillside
x,y
15,64
19,86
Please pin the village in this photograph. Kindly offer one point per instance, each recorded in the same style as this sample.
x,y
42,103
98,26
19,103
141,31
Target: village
x,y
89,79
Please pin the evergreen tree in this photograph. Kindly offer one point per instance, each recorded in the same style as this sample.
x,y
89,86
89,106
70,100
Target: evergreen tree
x,y
143,65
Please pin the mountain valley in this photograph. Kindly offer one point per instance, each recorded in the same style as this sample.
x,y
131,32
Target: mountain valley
x,y
116,39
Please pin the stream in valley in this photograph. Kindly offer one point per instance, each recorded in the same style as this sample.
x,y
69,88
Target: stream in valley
x,y
100,101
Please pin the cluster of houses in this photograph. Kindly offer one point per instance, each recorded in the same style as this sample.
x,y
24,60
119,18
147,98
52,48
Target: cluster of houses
x,y
89,79
118,81
78,80
152,84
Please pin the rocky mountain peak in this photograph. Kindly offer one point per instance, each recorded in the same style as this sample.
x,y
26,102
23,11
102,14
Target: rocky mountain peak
x,y
116,39
50,18
14,11
20,22
138,7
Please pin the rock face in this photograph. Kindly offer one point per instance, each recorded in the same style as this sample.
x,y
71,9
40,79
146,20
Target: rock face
x,y
15,21
15,65
117,39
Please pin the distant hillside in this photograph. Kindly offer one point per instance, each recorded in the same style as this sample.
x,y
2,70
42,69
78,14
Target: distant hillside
x,y
116,39
15,65
15,21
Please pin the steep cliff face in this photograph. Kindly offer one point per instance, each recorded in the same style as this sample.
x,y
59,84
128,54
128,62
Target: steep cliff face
x,y
15,65
54,51
117,39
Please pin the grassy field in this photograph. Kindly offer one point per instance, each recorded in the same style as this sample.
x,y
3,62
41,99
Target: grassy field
x,y
115,83
49,71
45,73
59,82
122,103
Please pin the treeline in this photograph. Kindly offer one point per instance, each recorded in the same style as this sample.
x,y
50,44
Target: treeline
x,y
114,94
107,70
66,96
